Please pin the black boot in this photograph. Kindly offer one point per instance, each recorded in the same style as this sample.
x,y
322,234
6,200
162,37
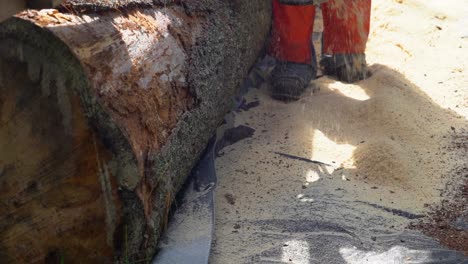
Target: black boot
x,y
347,68
289,80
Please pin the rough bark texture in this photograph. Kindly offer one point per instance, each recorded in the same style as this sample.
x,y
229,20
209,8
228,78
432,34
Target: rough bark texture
x,y
103,115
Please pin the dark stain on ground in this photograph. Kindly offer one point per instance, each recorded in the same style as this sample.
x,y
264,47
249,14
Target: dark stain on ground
x,y
232,136
230,198
447,222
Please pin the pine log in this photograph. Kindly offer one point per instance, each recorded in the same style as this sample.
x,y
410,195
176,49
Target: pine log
x,y
104,112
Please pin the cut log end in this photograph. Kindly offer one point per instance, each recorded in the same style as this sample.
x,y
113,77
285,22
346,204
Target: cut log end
x,y
53,176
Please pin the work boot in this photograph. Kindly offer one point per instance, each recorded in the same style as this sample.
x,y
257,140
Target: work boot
x,y
289,80
348,68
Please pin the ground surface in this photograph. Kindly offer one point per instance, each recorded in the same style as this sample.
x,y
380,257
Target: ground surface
x,y
387,144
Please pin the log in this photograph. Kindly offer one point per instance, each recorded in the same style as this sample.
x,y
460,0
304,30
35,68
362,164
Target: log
x,y
104,110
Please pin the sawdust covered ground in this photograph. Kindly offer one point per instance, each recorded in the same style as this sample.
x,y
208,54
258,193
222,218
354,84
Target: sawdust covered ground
x,y
387,142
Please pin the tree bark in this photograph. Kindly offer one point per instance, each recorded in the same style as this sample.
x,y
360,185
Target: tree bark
x,y
102,116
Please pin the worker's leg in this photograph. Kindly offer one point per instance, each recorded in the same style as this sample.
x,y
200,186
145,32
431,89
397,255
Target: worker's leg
x,y
346,29
291,33
290,44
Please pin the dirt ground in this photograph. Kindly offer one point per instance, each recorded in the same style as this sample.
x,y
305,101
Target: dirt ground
x,y
384,146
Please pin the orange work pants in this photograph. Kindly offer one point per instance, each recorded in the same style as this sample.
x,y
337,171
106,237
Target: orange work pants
x,y
346,29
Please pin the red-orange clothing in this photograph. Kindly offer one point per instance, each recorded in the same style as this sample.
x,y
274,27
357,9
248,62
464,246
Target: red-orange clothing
x,y
346,29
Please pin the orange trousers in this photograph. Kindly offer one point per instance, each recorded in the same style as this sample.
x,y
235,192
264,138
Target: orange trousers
x,y
346,29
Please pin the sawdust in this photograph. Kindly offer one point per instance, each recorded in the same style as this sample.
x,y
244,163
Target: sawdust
x,y
387,166
385,138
